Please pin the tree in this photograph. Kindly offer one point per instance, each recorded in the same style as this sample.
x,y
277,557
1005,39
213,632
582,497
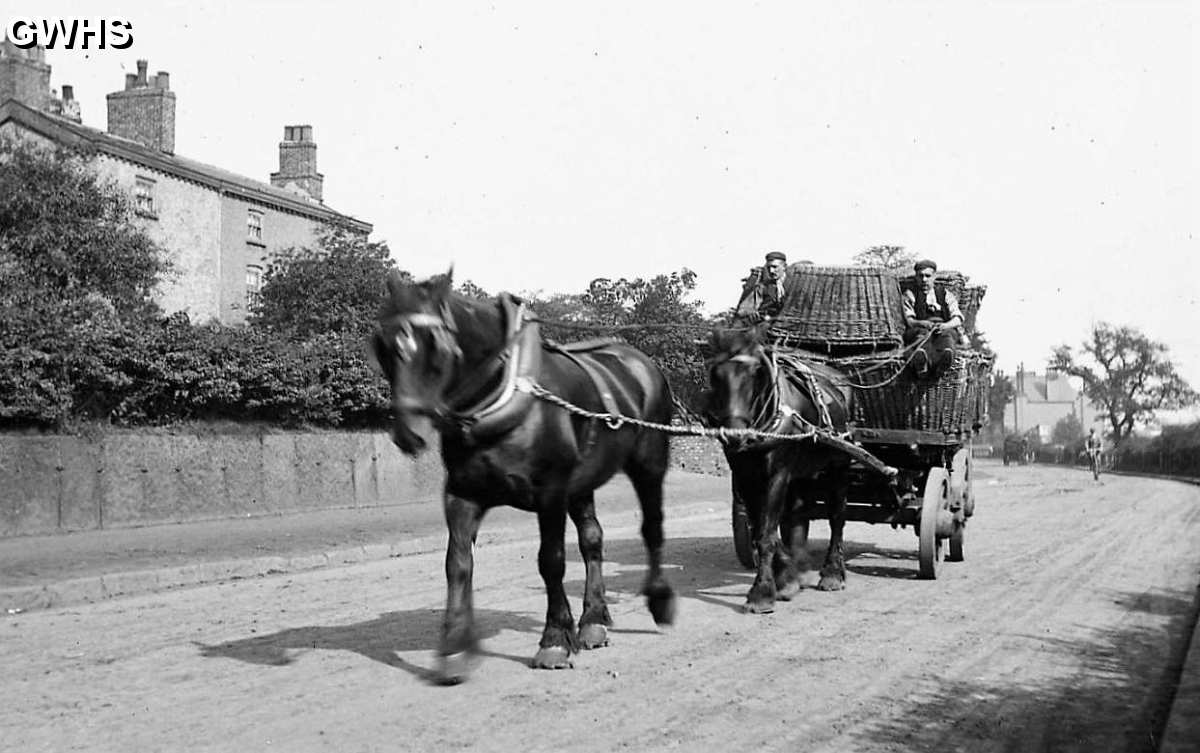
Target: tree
x,y
1126,374
891,257
1068,429
67,235
999,396
334,287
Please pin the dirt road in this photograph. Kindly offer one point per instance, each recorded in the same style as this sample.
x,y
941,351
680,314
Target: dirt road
x,y
1060,632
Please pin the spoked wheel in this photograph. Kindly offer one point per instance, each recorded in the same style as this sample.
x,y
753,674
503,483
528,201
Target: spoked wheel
x,y
962,500
743,539
935,515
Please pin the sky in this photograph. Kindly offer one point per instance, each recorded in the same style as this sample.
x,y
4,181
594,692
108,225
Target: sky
x,y
1049,150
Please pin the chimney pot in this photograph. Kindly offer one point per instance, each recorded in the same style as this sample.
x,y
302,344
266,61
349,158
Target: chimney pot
x,y
162,80
68,92
130,81
141,74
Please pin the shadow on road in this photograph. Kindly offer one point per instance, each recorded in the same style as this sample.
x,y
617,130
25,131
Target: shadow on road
x,y
1120,676
705,568
379,639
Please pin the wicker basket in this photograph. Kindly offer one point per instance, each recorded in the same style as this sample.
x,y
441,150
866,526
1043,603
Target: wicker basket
x,y
839,310
884,399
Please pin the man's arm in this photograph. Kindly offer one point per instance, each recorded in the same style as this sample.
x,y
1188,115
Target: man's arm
x,y
909,299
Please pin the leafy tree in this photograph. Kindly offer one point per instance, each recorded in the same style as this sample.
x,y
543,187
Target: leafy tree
x,y
891,257
1001,394
471,290
1126,374
656,317
1067,430
67,235
334,287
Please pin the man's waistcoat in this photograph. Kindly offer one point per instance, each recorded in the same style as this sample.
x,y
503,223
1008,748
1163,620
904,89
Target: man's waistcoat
x,y
921,308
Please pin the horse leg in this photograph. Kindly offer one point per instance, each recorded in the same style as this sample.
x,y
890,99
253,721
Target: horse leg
x,y
833,572
458,645
595,620
646,470
792,560
558,637
761,598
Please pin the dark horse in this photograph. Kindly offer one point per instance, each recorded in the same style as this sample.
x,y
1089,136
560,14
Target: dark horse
x,y
754,387
471,368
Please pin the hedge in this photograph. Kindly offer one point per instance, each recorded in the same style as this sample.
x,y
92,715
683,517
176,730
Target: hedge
x,y
162,371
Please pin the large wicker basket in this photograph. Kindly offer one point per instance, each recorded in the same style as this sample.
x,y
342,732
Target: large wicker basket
x,y
839,310
883,398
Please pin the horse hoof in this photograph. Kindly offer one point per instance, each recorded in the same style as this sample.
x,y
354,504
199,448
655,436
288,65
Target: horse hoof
x,y
831,584
662,608
758,607
454,668
594,635
553,657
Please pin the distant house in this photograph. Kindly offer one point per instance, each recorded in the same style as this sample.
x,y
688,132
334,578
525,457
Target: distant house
x,y
218,228
1042,401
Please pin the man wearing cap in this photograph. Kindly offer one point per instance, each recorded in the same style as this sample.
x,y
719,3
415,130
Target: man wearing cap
x,y
931,311
764,299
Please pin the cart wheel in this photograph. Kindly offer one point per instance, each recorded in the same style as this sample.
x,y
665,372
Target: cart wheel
x,y
962,483
934,505
743,540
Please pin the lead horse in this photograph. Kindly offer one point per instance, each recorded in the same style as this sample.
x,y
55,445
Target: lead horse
x,y
473,370
755,387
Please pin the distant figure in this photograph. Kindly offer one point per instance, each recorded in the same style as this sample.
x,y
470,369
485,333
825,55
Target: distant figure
x,y
763,300
931,310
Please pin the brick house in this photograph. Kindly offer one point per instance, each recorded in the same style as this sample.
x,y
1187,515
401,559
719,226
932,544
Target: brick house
x,y
1042,401
218,228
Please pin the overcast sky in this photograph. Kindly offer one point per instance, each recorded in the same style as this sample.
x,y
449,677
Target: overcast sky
x,y
1047,149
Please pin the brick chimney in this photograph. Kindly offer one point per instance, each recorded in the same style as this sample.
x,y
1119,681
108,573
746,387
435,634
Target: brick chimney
x,y
145,110
24,75
298,163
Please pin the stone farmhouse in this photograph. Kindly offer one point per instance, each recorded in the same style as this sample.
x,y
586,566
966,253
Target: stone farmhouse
x,y
219,228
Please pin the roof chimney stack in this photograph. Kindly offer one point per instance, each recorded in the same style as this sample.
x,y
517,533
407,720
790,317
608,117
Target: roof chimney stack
x,y
144,113
298,163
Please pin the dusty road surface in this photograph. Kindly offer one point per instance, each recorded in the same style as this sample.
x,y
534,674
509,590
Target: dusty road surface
x,y
1061,632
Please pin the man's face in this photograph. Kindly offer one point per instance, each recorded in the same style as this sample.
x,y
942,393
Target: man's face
x,y
775,269
925,278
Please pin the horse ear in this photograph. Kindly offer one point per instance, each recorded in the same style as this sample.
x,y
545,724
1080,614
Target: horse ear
x,y
450,274
395,280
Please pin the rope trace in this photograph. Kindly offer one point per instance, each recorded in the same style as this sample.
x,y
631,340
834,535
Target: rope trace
x,y
617,421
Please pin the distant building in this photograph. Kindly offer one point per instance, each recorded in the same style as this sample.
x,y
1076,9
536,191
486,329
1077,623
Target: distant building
x,y
1042,401
218,228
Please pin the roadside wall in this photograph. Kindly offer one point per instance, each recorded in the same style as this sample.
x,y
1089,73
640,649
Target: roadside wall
x,y
57,484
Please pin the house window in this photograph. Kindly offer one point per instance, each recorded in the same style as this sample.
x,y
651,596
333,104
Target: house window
x,y
254,226
143,197
254,277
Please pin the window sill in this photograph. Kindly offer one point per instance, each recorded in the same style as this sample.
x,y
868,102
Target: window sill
x,y
146,214
253,242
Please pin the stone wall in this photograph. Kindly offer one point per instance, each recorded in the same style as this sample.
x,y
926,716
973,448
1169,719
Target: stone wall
x,y
58,484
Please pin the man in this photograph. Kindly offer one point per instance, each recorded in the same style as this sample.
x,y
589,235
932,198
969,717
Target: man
x,y
763,300
931,311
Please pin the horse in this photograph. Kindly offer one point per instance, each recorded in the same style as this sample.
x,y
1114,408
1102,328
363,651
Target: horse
x,y
752,386
478,373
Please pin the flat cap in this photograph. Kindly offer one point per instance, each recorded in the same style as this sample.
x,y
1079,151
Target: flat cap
x,y
925,264
773,255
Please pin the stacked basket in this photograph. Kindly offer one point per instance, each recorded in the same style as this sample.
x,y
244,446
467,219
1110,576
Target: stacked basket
x,y
853,319
885,398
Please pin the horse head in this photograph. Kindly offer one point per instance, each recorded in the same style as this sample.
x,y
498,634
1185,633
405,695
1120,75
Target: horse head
x,y
416,347
741,378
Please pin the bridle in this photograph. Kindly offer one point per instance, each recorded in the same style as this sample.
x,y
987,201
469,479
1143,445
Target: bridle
x,y
768,416
450,411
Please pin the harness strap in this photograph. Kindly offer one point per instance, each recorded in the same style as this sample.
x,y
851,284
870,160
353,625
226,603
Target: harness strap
x,y
597,379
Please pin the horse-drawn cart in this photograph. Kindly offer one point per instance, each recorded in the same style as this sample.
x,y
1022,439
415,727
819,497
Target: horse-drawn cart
x,y
908,439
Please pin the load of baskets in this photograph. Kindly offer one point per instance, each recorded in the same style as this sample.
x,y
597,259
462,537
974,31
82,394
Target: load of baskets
x,y
852,317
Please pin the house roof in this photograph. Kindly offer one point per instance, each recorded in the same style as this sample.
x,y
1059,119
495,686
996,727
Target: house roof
x,y
70,133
